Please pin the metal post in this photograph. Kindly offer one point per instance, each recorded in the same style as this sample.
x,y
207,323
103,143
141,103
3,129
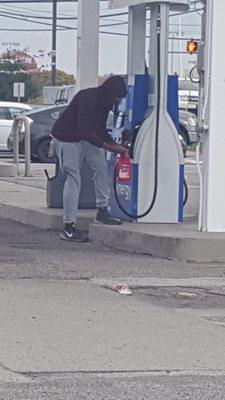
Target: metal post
x,y
172,55
16,130
27,147
87,43
136,40
19,93
213,119
18,122
180,49
54,32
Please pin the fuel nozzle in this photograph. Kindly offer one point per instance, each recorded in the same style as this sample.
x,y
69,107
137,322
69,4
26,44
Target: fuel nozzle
x,y
128,139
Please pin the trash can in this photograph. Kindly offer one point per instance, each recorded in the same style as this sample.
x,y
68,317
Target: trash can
x,y
55,185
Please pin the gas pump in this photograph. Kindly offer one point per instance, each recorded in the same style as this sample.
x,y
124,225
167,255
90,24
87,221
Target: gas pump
x,y
149,187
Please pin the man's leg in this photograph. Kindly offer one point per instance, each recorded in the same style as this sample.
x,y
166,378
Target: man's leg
x,y
70,158
96,159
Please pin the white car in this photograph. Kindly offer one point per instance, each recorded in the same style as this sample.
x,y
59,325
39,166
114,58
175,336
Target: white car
x,y
8,110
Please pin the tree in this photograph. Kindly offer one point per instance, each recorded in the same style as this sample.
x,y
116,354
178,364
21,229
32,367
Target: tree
x,y
44,78
20,66
12,59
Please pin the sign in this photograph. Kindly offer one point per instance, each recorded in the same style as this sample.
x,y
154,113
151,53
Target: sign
x,y
18,90
179,5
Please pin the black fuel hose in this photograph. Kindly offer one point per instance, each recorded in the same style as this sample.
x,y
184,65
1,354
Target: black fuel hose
x,y
156,137
186,192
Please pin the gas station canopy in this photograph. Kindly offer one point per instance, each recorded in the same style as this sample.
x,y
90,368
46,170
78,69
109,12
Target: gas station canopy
x,y
181,5
34,1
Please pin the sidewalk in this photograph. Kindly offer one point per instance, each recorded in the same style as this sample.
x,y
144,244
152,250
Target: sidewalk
x,y
23,200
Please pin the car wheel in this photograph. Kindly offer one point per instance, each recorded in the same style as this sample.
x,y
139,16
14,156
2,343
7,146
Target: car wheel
x,y
43,151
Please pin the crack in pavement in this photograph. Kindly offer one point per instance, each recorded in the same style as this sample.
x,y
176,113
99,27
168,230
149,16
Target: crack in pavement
x,y
113,373
9,375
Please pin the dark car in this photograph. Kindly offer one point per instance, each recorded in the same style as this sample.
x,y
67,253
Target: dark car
x,y
42,120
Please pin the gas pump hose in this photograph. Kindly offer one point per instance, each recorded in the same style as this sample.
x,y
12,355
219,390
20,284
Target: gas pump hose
x,y
156,143
156,137
186,192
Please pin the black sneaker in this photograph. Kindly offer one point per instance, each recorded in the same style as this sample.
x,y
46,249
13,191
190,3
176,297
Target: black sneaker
x,y
71,234
103,217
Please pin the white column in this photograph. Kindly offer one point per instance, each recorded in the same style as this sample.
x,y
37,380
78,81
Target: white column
x,y
214,117
87,43
136,40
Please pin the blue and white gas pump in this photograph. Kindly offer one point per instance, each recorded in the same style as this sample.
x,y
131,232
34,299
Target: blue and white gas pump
x,y
152,192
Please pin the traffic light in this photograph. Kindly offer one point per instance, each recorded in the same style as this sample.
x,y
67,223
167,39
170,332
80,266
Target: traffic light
x,y
192,46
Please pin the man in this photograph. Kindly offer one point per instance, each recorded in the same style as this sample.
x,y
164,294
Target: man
x,y
80,134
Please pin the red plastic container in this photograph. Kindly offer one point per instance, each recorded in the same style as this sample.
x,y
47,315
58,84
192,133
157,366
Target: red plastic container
x,y
123,169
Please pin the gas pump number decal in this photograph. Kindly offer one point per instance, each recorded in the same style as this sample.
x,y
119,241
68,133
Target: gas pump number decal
x,y
124,191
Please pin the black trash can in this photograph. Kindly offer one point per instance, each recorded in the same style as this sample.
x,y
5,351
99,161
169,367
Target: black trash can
x,y
55,185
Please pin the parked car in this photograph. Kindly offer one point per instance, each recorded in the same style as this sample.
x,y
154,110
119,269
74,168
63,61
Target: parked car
x,y
8,110
41,122
44,118
188,126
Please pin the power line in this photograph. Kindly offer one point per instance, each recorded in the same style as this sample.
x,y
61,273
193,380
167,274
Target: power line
x,y
25,18
61,18
33,22
75,18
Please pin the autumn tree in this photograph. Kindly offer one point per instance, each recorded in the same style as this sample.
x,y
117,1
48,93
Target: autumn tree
x,y
20,66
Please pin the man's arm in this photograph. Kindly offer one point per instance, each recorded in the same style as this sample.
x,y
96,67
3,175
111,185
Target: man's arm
x,y
114,148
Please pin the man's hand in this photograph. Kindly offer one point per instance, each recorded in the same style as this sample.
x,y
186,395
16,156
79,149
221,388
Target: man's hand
x,y
115,148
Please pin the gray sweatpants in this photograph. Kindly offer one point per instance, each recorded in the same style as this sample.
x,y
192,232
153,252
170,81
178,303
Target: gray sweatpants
x,y
71,156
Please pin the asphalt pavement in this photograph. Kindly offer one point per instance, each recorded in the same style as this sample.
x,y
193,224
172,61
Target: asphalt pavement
x,y
65,335
118,387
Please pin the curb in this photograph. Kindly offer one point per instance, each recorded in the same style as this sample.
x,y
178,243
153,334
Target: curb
x,y
43,218
7,170
183,246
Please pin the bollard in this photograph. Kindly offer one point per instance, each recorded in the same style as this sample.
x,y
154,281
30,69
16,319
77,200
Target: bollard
x,y
19,120
27,147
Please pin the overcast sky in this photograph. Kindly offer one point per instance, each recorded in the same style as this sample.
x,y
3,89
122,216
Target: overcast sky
x,y
112,48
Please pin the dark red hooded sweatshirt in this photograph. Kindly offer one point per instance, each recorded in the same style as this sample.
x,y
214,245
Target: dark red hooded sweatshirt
x,y
85,117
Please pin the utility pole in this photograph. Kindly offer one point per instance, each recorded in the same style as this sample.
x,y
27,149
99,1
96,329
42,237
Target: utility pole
x,y
54,32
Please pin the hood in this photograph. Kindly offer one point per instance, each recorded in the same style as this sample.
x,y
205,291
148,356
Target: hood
x,y
116,87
